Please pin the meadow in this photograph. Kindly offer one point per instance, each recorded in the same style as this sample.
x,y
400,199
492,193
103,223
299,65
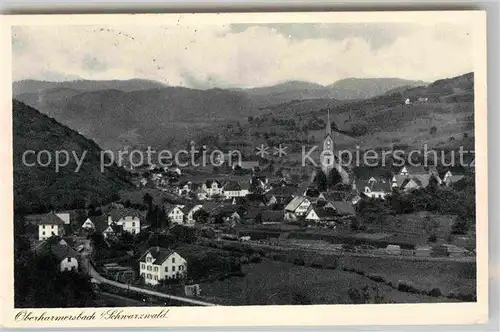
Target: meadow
x,y
274,283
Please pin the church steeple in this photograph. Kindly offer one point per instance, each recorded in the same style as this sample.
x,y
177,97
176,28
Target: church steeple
x,y
328,125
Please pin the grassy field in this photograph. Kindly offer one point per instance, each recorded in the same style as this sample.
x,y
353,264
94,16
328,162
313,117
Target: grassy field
x,y
271,282
448,276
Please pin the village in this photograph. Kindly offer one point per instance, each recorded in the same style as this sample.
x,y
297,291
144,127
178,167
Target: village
x,y
160,242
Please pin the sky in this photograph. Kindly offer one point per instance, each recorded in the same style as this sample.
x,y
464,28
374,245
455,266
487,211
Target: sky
x,y
242,55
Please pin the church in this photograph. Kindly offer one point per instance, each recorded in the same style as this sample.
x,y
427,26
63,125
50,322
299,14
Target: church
x,y
328,159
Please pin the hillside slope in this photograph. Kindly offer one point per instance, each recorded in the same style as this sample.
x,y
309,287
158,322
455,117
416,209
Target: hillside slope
x,y
37,188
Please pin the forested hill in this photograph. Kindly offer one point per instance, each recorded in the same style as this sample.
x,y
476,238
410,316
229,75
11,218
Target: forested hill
x,y
40,188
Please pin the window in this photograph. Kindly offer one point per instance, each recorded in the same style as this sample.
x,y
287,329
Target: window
x,y
51,226
142,274
173,259
156,278
156,268
43,226
133,224
166,268
173,268
149,276
43,233
181,267
149,268
143,266
149,260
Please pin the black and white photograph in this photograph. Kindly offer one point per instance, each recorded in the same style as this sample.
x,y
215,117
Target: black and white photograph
x,y
244,163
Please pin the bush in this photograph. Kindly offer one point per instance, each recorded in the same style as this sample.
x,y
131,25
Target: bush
x,y
407,286
244,260
435,292
375,277
317,265
255,258
299,261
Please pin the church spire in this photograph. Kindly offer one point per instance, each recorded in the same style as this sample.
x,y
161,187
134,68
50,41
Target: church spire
x,y
328,125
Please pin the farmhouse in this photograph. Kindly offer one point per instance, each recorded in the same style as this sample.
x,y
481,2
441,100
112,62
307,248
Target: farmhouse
x,y
128,219
88,225
321,215
234,189
176,214
296,208
159,263
373,188
49,225
212,188
66,255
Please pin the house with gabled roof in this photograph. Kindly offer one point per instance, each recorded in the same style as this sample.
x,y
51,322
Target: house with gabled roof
x,y
158,263
175,213
234,189
129,219
413,170
66,255
373,188
451,178
50,224
212,188
321,215
88,225
297,208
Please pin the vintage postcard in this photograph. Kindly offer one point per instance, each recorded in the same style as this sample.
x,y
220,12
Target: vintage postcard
x,y
244,169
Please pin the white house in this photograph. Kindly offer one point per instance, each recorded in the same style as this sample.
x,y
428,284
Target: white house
x,y
321,215
158,263
66,255
128,219
50,225
176,214
373,188
212,188
88,224
296,208
407,101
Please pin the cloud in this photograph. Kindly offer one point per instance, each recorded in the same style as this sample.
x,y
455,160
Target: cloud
x,y
228,56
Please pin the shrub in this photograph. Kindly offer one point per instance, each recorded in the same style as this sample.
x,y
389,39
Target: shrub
x,y
435,292
299,261
244,260
317,265
255,258
407,286
375,277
